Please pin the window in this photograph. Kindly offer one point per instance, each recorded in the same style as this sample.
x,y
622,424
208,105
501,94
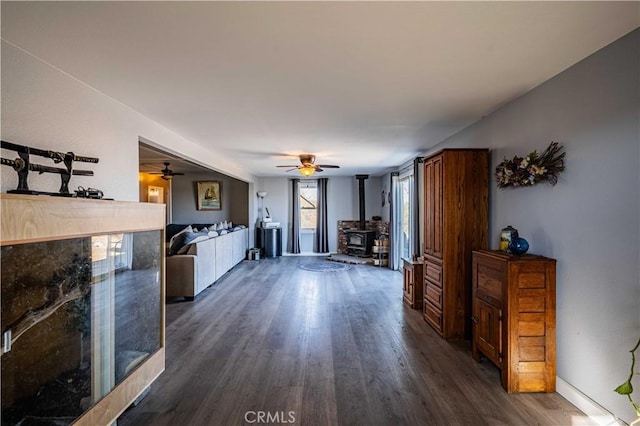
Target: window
x,y
403,217
308,191
406,216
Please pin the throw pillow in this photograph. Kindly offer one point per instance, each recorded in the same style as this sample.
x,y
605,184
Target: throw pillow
x,y
187,229
199,237
182,239
173,229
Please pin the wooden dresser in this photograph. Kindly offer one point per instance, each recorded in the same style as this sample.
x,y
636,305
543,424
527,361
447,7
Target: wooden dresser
x,y
456,223
412,272
514,318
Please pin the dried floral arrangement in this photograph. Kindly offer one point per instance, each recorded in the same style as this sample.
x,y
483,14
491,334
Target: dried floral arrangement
x,y
532,169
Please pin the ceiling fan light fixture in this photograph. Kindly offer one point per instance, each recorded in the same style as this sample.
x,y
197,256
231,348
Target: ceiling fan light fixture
x,y
308,166
307,171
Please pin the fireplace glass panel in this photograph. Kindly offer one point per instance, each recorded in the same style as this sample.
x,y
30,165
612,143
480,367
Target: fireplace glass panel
x,y
80,314
356,240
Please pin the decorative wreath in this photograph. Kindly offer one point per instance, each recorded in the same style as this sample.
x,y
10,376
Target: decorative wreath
x,y
532,169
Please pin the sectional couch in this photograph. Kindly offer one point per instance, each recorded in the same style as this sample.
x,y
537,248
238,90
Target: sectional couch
x,y
204,259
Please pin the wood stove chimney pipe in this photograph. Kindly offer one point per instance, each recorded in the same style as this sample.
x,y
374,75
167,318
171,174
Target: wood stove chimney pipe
x,y
361,179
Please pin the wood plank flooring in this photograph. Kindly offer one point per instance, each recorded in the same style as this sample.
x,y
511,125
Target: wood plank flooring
x,y
333,348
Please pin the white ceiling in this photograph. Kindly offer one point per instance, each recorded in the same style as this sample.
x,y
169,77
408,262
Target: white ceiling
x,y
365,85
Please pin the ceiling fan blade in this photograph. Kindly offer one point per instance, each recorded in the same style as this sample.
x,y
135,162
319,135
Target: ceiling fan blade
x,y
290,170
176,174
328,166
318,169
287,166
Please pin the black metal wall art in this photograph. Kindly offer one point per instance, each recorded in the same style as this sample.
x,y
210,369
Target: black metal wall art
x,y
23,165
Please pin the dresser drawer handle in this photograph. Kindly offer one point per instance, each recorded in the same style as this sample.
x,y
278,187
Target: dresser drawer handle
x,y
487,298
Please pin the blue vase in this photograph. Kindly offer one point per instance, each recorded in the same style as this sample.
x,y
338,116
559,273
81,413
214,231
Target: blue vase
x,y
518,246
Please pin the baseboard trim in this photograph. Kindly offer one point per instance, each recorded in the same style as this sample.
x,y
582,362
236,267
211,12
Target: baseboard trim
x,y
587,405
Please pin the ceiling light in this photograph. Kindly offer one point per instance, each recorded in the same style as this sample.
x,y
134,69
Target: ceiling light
x,y
307,171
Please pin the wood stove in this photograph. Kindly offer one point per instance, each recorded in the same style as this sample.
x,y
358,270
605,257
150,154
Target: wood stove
x,y
360,241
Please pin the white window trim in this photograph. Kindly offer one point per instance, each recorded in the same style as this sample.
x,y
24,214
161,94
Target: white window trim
x,y
307,183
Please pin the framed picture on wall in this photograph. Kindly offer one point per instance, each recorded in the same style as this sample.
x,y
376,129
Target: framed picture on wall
x,y
210,195
155,194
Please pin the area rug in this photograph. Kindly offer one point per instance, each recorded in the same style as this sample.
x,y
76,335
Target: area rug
x,y
323,266
349,259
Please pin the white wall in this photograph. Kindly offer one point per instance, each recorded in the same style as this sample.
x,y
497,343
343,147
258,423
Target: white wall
x,y
277,201
589,221
45,108
342,203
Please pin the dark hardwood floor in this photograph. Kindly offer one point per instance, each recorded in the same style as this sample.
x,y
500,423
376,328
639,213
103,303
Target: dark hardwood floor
x,y
275,343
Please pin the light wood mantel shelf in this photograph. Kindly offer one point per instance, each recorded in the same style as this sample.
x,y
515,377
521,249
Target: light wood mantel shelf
x,y
33,218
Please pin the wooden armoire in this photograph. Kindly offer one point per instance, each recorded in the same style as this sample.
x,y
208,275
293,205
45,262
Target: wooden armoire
x,y
456,223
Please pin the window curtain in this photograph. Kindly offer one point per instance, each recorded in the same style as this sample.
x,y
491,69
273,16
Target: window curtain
x,y
127,248
394,261
321,243
294,239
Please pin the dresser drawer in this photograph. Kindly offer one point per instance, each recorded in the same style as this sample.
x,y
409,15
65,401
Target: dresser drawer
x,y
488,280
433,294
432,315
433,272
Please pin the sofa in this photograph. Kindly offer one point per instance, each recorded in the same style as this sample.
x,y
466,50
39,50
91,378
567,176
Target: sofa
x,y
201,258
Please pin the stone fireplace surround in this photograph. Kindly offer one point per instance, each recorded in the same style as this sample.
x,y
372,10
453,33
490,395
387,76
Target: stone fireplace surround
x,y
379,226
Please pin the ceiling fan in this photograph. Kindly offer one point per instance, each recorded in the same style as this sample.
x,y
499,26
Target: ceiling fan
x,y
166,173
308,167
